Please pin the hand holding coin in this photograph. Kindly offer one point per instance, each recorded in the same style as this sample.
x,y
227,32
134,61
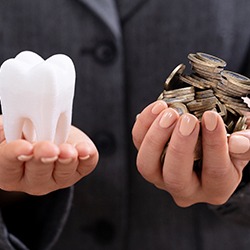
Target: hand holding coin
x,y
192,123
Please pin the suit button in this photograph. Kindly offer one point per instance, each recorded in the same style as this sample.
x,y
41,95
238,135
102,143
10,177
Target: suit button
x,y
105,52
105,143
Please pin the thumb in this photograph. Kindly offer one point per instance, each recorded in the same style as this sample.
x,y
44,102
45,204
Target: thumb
x,y
239,145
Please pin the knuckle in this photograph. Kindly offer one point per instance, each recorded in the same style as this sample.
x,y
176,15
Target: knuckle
x,y
177,150
61,177
152,141
175,186
148,173
213,142
216,173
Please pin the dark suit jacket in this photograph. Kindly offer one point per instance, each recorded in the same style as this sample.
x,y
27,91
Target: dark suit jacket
x,y
123,51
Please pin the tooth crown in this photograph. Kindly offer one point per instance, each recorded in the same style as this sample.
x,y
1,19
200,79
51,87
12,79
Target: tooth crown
x,y
37,97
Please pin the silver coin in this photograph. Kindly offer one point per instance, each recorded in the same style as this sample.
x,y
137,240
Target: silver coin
x,y
211,59
177,71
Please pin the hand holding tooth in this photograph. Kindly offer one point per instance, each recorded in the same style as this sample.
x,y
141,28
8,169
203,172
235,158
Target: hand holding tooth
x,y
36,97
42,167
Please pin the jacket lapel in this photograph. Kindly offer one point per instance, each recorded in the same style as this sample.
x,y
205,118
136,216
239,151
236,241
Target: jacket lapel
x,y
106,10
128,8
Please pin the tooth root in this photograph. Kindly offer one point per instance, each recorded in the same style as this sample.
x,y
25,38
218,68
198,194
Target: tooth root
x,y
39,95
14,130
63,124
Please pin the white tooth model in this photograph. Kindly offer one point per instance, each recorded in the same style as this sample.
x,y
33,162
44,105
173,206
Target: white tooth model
x,y
37,97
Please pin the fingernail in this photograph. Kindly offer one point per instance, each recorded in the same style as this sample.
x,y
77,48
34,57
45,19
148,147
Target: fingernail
x,y
24,157
65,161
49,159
210,121
238,144
83,158
168,118
187,125
158,107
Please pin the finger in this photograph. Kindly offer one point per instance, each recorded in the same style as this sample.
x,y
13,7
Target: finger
x,y
149,155
11,170
87,152
65,166
12,151
38,171
239,148
85,147
239,145
218,172
45,152
145,120
179,177
88,157
67,153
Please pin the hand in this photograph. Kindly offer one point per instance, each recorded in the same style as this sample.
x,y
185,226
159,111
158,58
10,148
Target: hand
x,y
43,167
219,176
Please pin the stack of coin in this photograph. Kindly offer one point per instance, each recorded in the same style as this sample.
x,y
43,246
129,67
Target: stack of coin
x,y
208,87
207,66
183,95
205,100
